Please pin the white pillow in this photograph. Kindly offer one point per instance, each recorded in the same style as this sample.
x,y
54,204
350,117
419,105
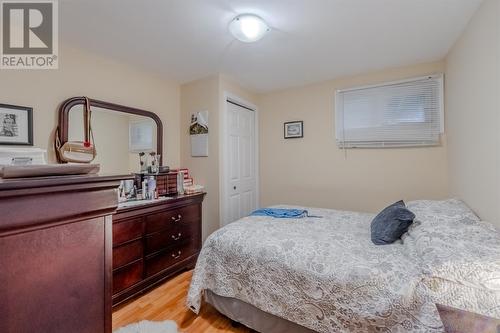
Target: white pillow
x,y
434,211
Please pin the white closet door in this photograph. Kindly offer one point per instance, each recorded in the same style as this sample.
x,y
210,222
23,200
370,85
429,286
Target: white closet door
x,y
241,176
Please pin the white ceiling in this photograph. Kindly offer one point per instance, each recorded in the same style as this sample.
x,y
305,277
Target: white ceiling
x,y
311,40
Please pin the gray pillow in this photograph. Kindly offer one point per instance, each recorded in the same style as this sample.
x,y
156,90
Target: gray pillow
x,y
391,223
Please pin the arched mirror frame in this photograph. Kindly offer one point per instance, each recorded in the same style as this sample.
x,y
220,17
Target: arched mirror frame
x,y
68,104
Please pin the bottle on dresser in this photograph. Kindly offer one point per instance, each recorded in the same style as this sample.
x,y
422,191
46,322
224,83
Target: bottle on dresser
x,y
180,182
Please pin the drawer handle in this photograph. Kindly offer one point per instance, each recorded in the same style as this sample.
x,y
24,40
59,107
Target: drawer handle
x,y
179,217
177,237
177,256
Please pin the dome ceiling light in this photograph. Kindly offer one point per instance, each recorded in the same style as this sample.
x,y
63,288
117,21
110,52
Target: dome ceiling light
x,y
248,28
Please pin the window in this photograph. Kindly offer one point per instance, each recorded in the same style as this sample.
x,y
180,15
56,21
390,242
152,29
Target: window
x,y
397,114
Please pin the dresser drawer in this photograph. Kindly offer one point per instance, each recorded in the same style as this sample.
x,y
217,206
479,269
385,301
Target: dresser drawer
x,y
127,230
170,237
127,253
165,220
163,260
127,276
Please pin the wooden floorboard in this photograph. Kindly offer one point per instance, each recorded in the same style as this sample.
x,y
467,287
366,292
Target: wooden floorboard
x,y
168,302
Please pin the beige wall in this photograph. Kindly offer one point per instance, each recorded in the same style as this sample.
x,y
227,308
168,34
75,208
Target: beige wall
x,y
207,95
313,171
81,73
473,113
202,95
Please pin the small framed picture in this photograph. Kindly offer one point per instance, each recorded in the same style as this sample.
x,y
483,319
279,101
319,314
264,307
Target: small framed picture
x,y
16,125
294,129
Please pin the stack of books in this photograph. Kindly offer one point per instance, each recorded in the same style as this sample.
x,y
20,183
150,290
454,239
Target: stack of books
x,y
189,185
188,180
193,189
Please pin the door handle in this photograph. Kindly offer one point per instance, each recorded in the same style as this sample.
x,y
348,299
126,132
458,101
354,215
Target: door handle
x,y
176,237
234,187
176,256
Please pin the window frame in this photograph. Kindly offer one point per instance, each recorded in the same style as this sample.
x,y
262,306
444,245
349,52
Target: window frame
x,y
341,143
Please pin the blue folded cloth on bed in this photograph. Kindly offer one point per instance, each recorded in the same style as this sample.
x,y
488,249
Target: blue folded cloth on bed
x,y
282,213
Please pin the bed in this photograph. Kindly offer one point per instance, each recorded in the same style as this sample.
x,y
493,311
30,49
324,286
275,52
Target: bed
x,y
325,275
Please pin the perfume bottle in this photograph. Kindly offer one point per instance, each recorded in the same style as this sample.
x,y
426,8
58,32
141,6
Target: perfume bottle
x,y
151,187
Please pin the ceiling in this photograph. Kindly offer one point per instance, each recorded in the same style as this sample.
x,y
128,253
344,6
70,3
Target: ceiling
x,y
311,40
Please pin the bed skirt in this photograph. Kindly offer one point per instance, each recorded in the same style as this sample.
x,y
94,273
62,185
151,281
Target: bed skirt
x,y
250,316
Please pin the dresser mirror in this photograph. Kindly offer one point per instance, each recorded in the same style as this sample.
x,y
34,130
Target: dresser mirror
x,y
119,132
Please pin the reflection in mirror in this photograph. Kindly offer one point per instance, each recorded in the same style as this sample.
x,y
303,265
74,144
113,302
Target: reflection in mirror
x,y
119,138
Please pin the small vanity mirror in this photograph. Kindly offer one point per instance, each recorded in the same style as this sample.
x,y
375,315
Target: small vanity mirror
x,y
120,133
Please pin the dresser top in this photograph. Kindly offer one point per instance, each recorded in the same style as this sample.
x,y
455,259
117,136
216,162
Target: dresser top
x,y
170,200
39,202
57,181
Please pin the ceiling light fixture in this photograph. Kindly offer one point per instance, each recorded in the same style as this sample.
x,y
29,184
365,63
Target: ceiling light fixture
x,y
248,28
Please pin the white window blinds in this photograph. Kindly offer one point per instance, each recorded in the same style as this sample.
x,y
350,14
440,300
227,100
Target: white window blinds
x,y
397,114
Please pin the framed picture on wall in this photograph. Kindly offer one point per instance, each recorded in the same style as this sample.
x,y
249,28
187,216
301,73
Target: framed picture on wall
x,y
294,130
198,131
16,125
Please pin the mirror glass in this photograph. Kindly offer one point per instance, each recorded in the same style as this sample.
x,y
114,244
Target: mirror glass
x,y
119,138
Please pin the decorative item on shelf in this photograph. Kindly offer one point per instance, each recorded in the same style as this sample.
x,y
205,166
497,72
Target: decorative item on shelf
x,y
166,183
127,190
151,163
157,163
198,131
78,151
16,125
143,161
294,129
154,159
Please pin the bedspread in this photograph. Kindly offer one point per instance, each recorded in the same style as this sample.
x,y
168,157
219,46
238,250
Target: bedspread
x,y
327,275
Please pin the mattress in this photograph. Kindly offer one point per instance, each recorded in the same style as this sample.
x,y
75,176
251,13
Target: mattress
x,y
325,274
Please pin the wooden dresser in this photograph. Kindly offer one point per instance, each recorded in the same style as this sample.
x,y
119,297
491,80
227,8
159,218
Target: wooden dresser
x,y
152,242
55,254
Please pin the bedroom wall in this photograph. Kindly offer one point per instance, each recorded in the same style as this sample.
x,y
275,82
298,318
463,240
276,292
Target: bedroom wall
x,y
83,73
207,95
202,95
313,171
473,113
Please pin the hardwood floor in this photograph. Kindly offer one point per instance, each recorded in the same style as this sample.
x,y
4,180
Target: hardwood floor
x,y
168,302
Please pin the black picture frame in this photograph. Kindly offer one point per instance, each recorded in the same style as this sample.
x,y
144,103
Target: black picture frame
x,y
16,109
286,133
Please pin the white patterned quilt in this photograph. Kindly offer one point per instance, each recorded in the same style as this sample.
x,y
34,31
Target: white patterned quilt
x,y
327,275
